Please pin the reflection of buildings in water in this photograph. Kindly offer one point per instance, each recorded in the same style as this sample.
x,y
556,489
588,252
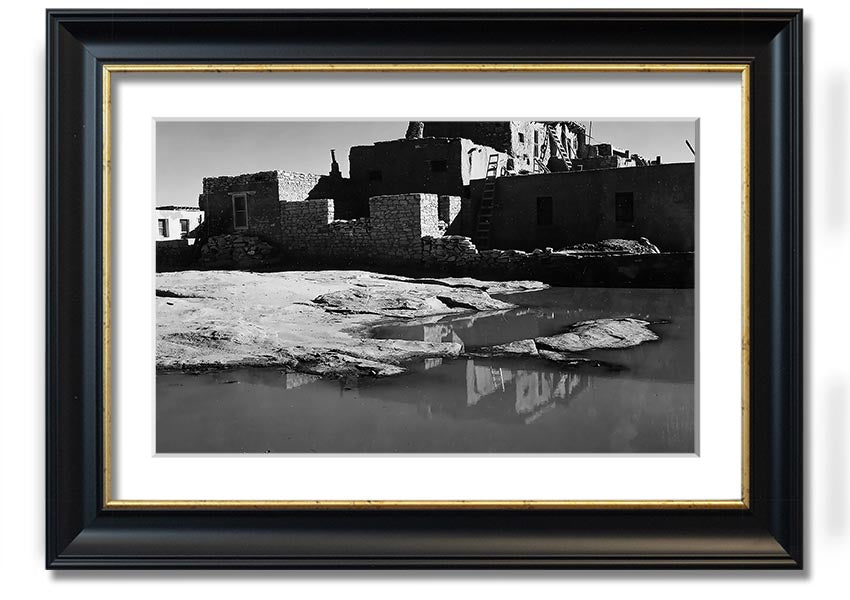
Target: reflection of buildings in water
x,y
349,387
439,332
430,363
531,391
296,380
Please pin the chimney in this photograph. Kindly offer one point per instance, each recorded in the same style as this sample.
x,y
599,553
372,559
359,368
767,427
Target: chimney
x,y
335,172
415,130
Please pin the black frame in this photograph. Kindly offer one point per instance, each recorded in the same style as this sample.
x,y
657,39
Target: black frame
x,y
81,534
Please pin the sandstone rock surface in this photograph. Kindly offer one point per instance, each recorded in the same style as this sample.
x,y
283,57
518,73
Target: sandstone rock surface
x,y
221,319
599,333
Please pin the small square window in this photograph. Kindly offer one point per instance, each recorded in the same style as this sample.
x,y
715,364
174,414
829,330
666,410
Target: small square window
x,y
624,207
521,138
184,228
162,226
544,210
439,166
375,175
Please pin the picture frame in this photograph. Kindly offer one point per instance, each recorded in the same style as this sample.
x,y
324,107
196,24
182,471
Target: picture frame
x,y
88,529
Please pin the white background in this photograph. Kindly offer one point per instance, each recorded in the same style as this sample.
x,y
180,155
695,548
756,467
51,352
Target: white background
x,y
827,77
713,474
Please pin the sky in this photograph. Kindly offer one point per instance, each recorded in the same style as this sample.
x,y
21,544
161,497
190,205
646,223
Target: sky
x,y
188,151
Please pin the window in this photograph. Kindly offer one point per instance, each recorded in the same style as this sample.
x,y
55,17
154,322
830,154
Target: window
x,y
375,176
544,210
624,207
240,211
162,225
184,228
521,138
536,143
439,166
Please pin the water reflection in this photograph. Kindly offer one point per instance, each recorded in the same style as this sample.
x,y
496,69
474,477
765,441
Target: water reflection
x,y
462,405
547,312
530,391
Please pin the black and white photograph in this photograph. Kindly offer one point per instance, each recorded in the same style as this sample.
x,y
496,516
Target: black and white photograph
x,y
422,286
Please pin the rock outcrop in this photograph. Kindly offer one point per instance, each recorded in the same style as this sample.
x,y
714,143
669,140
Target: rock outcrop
x,y
314,322
407,303
598,334
580,337
641,246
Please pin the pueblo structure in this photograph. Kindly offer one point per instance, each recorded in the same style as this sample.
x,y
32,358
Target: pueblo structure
x,y
502,200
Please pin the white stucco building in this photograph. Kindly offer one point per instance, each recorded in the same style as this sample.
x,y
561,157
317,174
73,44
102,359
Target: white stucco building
x,y
177,222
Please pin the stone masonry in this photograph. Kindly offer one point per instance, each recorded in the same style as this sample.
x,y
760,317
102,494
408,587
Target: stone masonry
x,y
392,234
237,249
404,232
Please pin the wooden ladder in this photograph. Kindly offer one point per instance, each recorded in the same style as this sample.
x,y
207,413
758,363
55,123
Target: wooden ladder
x,y
553,133
485,211
498,378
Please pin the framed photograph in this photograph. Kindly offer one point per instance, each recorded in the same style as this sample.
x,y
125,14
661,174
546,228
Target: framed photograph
x,y
424,289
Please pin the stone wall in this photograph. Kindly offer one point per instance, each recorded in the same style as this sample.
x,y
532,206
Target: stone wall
x,y
391,235
265,190
237,250
443,166
262,204
176,255
294,186
457,255
405,234
584,208
448,211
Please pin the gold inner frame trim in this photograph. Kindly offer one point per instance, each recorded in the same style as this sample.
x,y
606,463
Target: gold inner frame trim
x,y
735,504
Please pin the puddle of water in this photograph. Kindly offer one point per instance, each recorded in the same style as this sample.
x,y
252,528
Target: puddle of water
x,y
464,405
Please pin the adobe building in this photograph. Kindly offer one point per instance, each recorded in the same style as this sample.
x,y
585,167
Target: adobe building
x,y
251,203
474,198
540,146
177,222
564,209
530,143
429,165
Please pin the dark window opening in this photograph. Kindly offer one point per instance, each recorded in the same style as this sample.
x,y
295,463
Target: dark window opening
x,y
240,211
162,225
624,207
521,138
184,227
439,166
375,176
544,210
467,191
